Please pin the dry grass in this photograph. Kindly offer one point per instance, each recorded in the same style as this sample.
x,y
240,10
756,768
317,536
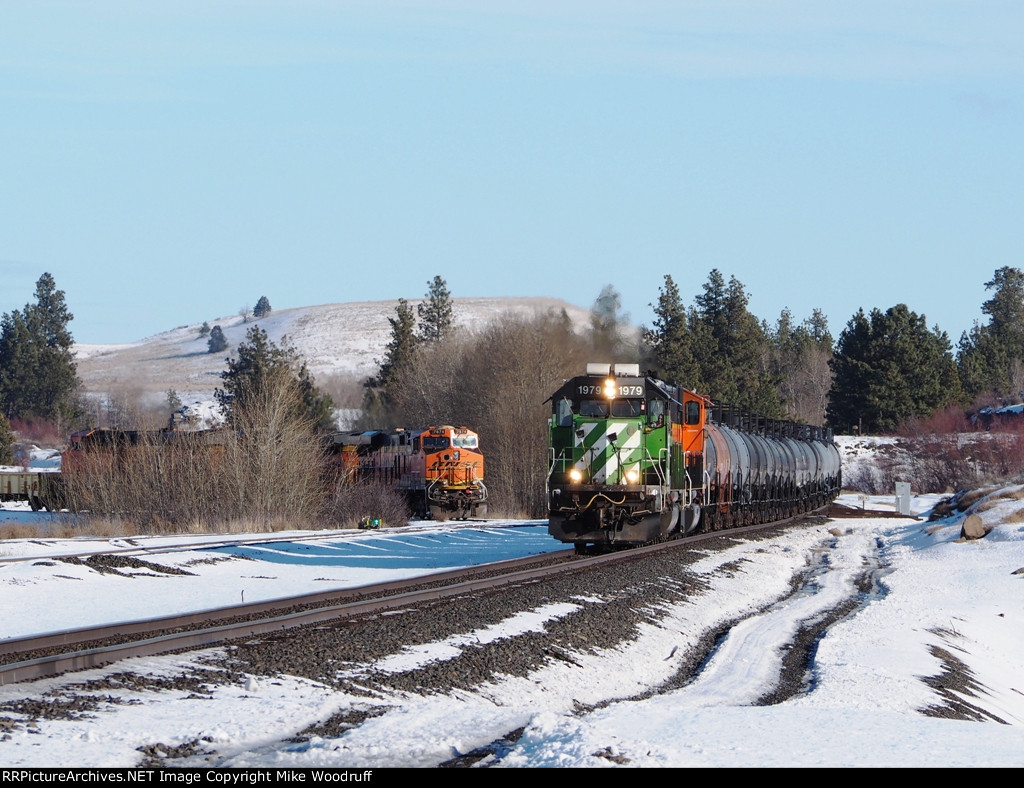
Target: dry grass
x,y
972,497
259,477
352,502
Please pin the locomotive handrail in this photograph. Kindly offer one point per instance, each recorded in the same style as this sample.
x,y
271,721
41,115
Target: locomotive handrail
x,y
559,458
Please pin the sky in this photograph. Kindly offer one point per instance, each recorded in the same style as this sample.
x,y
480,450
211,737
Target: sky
x,y
831,156
862,708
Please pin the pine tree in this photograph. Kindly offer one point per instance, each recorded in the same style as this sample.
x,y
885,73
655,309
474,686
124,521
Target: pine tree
x,y
731,349
989,354
887,368
378,400
6,441
436,313
38,376
262,367
800,357
747,349
217,341
262,308
668,341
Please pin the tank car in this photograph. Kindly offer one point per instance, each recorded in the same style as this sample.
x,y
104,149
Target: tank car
x,y
634,460
439,469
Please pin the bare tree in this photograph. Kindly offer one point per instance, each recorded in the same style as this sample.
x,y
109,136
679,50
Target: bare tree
x,y
497,382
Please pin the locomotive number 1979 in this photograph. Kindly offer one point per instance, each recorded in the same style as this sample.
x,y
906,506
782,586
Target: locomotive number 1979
x,y
623,391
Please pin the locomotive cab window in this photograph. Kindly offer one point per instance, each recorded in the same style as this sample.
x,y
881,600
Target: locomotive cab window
x,y
464,441
627,407
656,412
563,413
693,412
594,407
430,443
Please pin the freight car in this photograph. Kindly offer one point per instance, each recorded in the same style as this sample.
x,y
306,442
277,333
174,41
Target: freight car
x,y
40,488
634,460
439,469
96,451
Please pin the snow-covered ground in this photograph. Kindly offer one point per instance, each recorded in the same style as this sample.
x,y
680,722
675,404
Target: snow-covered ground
x,y
934,595
345,340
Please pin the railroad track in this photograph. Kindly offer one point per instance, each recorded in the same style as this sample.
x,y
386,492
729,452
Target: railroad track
x,y
40,656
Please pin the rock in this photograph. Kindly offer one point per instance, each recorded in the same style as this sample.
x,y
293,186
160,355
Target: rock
x,y
972,528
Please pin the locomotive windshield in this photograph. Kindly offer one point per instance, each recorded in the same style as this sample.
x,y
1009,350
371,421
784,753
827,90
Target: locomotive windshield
x,y
598,408
435,442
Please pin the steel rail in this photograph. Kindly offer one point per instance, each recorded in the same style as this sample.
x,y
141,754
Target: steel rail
x,y
498,574
80,635
55,664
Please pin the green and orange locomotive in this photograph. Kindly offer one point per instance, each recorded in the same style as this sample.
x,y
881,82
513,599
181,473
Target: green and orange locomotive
x,y
634,460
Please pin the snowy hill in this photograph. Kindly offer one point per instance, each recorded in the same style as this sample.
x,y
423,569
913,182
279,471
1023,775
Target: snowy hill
x,y
334,339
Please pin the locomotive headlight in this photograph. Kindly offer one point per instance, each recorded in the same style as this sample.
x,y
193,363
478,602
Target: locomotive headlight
x,y
609,388
576,475
632,476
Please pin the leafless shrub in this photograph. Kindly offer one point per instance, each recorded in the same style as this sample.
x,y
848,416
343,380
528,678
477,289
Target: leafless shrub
x,y
41,433
497,382
345,390
354,501
126,407
272,470
265,474
949,421
151,486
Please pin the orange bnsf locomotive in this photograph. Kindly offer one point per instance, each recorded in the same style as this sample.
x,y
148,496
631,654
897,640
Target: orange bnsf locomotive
x,y
440,470
633,459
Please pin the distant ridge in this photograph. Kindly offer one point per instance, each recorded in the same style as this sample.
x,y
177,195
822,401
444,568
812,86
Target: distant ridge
x,y
334,339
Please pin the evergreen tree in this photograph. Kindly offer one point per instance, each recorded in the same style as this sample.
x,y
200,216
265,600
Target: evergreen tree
x,y
982,363
989,354
262,308
800,357
436,313
6,441
746,346
889,367
1006,309
668,341
402,346
731,348
204,329
709,320
38,375
217,341
401,350
261,367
